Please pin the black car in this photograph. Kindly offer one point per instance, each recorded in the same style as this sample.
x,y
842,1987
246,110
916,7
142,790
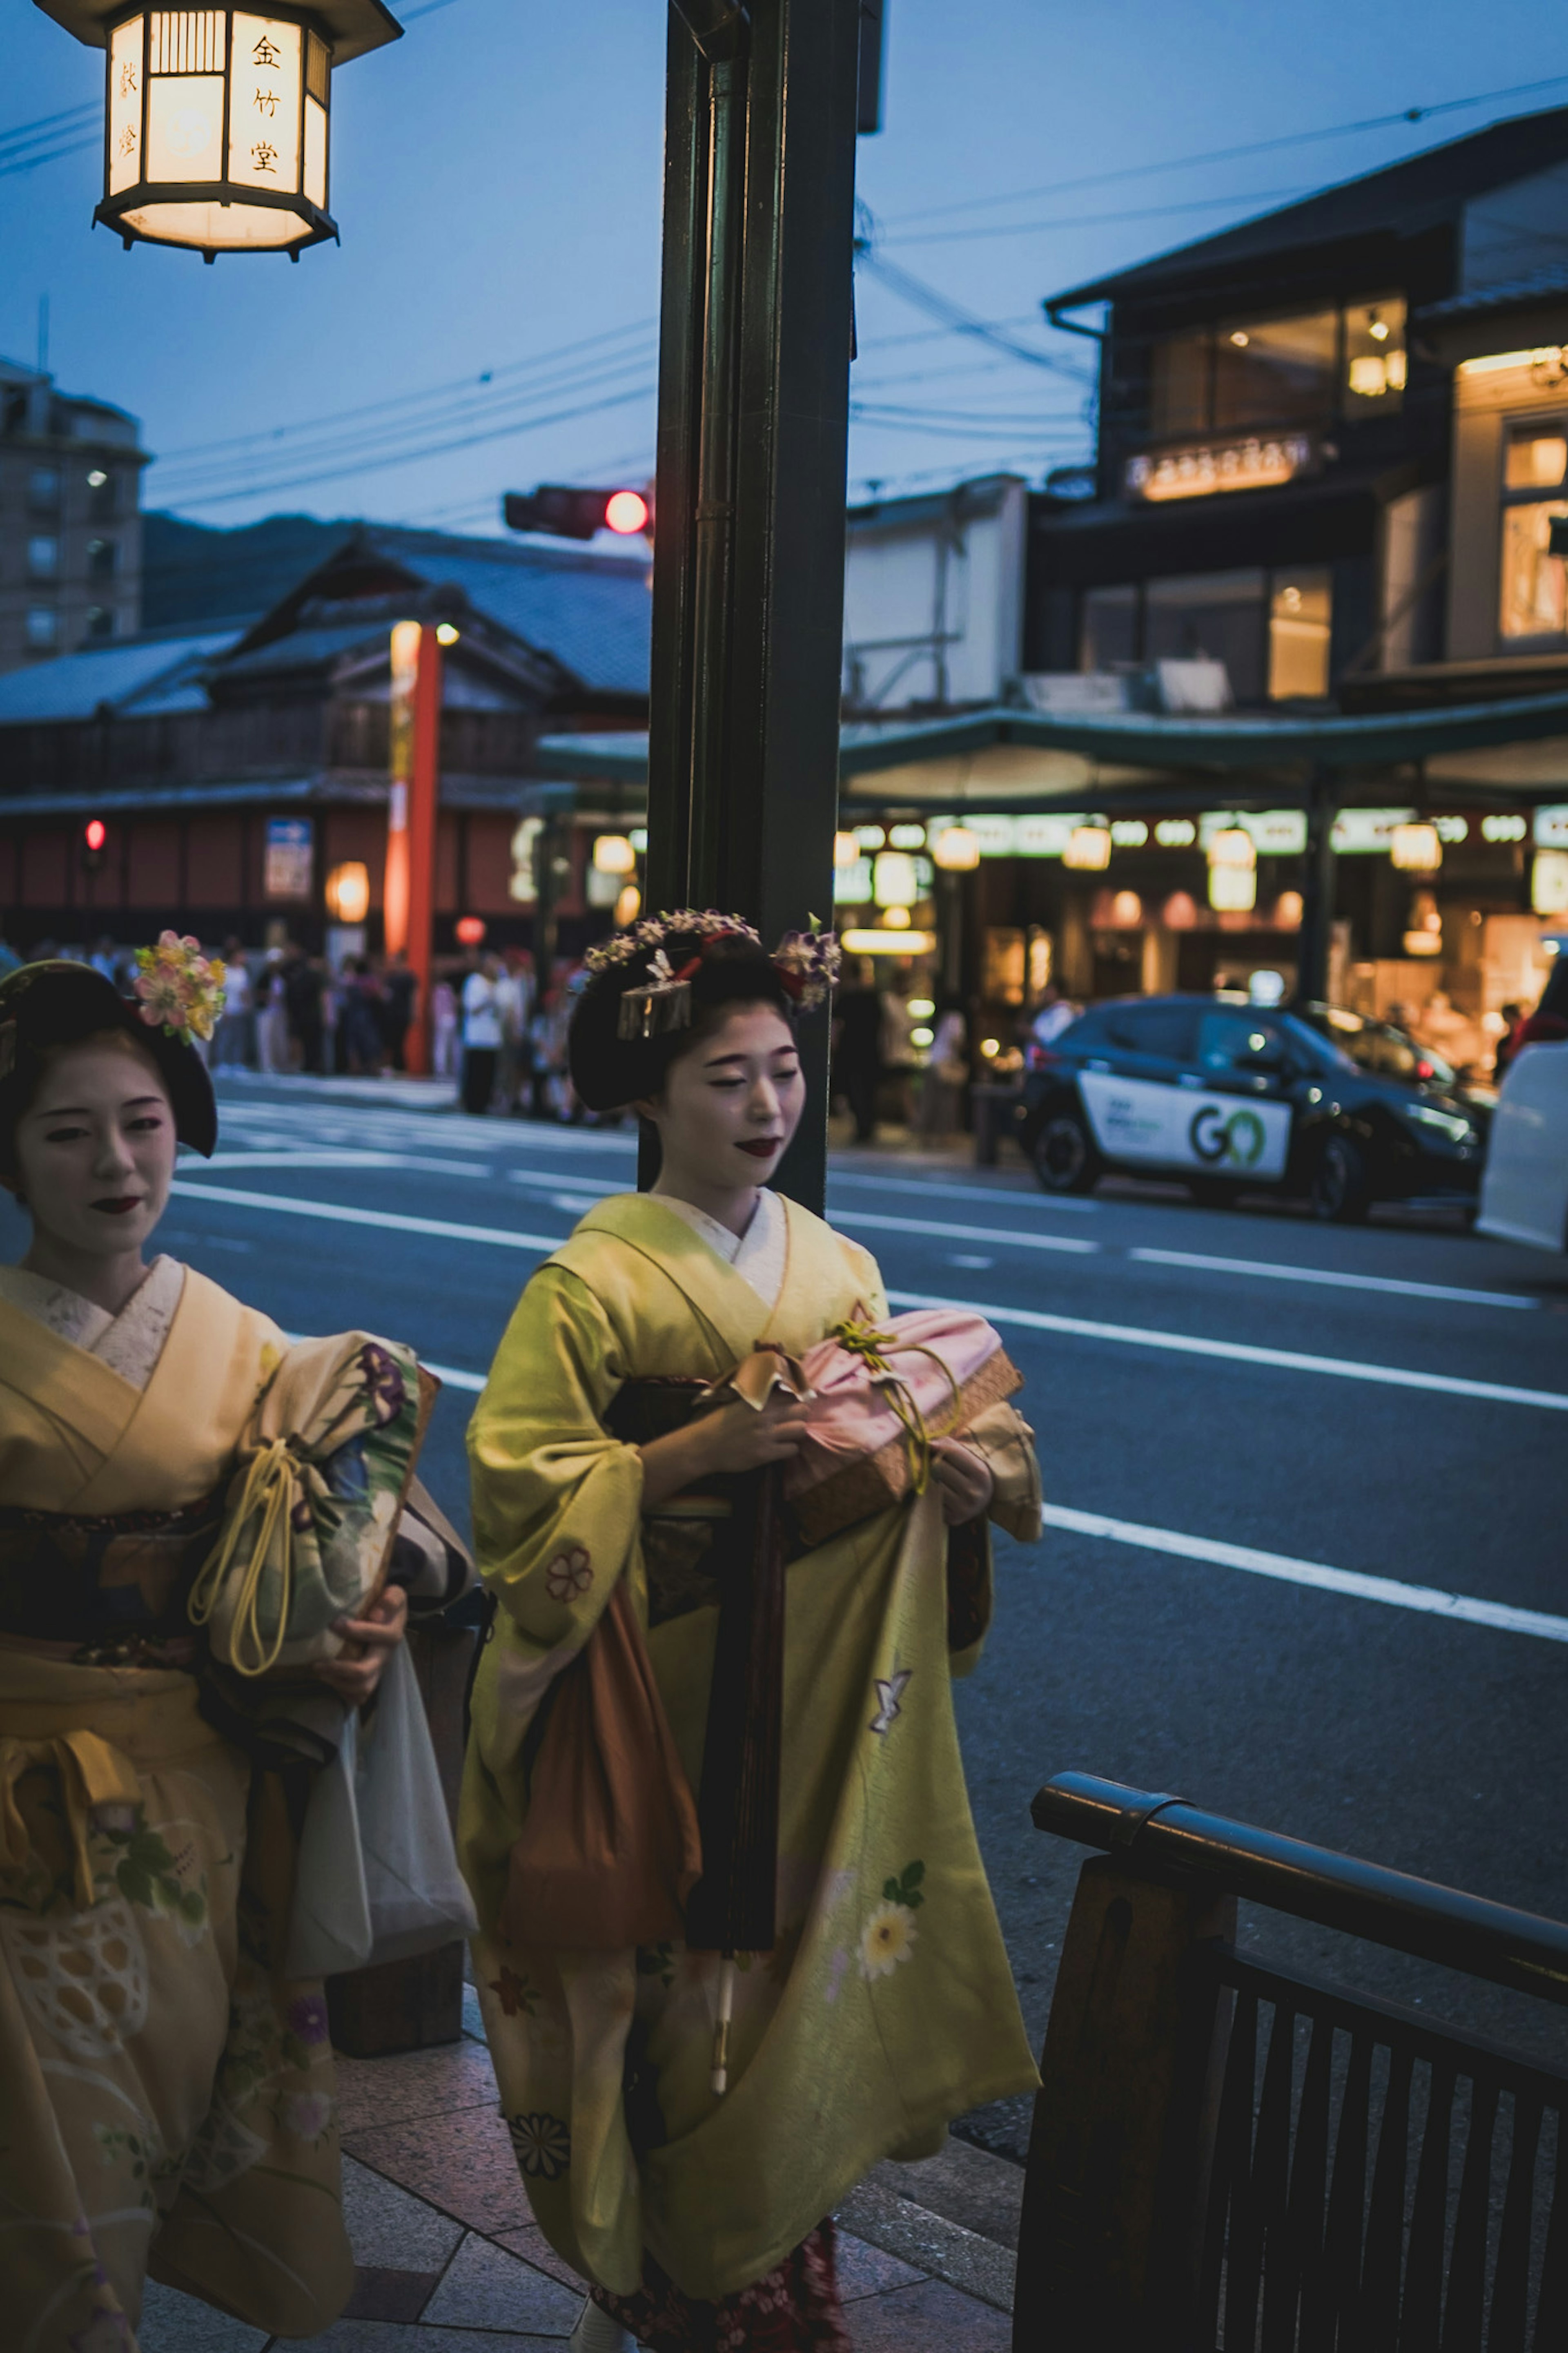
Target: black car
x,y
1232,1096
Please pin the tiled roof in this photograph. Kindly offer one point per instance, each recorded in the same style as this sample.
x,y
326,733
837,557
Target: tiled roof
x,y
594,613
134,676
1540,286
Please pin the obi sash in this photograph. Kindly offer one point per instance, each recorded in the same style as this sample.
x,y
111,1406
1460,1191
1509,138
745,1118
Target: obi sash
x,y
112,1587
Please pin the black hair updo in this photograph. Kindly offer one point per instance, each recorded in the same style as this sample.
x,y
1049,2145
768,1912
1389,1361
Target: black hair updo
x,y
609,1070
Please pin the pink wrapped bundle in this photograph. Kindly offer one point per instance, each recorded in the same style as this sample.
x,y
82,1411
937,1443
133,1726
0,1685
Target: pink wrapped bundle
x,y
882,1393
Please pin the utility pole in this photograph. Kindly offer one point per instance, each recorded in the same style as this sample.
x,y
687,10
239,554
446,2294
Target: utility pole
x,y
753,436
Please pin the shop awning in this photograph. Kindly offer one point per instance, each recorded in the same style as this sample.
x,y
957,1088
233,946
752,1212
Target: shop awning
x,y
1507,750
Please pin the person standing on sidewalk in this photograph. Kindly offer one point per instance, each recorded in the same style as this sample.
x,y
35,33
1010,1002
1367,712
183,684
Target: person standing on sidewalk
x,y
481,1035
692,2190
858,1050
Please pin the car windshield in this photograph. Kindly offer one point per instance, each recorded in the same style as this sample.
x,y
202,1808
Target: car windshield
x,y
1378,1047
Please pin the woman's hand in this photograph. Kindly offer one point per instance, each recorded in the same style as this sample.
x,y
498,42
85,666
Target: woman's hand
x,y
733,1437
354,1673
964,1480
741,1438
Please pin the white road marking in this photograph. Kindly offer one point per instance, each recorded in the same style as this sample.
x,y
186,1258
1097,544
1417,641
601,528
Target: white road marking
x,y
1071,1203
1466,1607
473,1382
1007,1234
339,1213
1338,1281
1286,1359
1074,1327
337,1156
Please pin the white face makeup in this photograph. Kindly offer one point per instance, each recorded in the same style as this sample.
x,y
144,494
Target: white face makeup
x,y
730,1106
95,1153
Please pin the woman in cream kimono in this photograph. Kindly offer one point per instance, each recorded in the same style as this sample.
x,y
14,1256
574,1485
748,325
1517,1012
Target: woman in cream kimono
x,y
886,2007
167,2093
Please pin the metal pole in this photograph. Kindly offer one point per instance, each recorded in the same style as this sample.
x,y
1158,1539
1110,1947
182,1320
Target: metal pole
x,y
753,421
1317,892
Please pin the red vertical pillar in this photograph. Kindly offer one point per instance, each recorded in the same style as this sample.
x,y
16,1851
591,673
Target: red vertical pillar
x,y
415,759
424,794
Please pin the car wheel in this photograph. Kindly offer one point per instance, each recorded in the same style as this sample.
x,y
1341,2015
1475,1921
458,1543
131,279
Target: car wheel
x,y
1213,1192
1065,1158
1341,1190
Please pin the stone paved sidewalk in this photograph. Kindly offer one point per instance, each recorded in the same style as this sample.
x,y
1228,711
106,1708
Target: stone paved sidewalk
x,y
450,2262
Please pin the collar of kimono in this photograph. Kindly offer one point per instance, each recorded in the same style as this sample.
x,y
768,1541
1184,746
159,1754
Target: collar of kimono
x,y
127,1445
815,1292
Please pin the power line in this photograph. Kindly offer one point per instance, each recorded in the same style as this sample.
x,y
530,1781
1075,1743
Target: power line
x,y
408,399
337,453
1097,220
436,449
953,315
1231,155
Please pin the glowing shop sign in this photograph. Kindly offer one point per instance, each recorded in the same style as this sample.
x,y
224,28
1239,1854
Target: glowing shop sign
x,y
1260,462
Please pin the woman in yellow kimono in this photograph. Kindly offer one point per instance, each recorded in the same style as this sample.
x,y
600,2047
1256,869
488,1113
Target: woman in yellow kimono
x,y
166,2092
886,2006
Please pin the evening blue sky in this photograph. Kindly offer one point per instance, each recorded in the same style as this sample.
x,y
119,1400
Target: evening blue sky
x,y
496,179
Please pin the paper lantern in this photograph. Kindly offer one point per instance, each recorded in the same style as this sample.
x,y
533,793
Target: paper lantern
x,y
217,129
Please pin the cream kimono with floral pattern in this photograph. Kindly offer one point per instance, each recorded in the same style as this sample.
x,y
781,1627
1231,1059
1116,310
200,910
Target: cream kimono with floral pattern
x,y
887,2007
166,2095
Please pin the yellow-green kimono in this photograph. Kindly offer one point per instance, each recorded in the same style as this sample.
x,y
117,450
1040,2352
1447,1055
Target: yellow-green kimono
x,y
166,2095
887,2007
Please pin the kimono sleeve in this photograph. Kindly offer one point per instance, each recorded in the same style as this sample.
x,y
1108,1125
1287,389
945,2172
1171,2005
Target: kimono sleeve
x,y
556,1499
867,1276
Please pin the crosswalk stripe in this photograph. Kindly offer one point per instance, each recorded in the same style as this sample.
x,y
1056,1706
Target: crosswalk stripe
x,y
1241,1352
1465,1608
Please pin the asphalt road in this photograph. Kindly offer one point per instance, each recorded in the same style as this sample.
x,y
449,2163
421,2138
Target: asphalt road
x,y
1228,1402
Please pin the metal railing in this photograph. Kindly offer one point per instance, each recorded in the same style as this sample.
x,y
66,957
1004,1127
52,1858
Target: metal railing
x,y
1231,2157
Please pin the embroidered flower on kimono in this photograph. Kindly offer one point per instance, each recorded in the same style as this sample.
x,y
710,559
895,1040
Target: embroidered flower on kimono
x,y
514,1992
307,2113
887,1938
544,2145
569,1574
385,1387
307,2018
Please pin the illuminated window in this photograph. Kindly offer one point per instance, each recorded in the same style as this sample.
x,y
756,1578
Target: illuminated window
x,y
1299,618
1374,356
43,558
42,627
1533,600
1275,370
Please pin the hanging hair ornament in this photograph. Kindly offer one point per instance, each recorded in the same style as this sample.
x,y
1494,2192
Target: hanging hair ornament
x,y
807,963
182,991
660,1003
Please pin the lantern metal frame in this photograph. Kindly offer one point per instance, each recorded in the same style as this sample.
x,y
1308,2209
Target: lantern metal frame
x,y
345,28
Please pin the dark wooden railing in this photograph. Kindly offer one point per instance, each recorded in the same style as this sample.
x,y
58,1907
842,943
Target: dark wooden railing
x,y
1229,2156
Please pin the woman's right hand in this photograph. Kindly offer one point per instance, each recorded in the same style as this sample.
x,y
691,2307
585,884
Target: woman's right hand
x,y
733,1437
742,1439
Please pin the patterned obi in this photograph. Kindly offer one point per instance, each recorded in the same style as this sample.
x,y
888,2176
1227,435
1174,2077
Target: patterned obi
x,y
695,1538
113,1588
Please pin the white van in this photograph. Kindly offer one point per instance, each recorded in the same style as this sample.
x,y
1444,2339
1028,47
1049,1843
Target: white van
x,y
1524,1187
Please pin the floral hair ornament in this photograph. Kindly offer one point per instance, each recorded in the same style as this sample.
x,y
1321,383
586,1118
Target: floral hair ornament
x,y
182,991
807,963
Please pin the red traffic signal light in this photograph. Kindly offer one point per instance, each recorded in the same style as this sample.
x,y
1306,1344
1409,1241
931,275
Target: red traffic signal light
x,y
94,834
568,513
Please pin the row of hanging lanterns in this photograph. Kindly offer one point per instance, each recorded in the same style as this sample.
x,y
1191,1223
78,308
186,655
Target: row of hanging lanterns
x,y
217,122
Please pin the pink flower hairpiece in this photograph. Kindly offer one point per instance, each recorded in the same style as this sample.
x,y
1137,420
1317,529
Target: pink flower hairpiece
x,y
182,991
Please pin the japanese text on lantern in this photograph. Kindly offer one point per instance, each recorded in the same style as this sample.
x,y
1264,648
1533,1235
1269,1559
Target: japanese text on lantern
x,y
125,105
264,107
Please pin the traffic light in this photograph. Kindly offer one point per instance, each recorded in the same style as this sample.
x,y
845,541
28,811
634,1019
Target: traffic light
x,y
94,834
568,513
